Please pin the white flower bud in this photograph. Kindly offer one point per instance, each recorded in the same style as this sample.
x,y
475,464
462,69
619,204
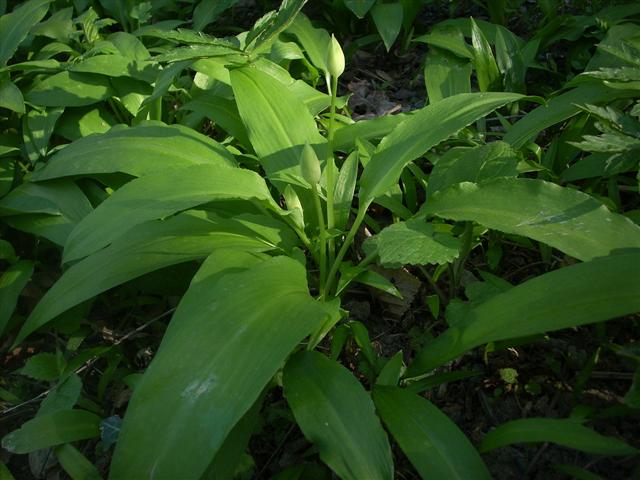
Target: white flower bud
x,y
335,58
310,165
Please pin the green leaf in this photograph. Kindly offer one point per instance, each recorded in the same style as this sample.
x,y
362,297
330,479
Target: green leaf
x,y
15,26
560,108
421,132
160,194
564,218
5,473
344,191
136,151
75,463
207,11
359,7
63,397
11,97
414,242
84,121
337,415
315,41
483,60
278,123
448,38
46,431
446,75
70,89
478,164
392,371
388,20
202,381
37,130
267,29
42,366
566,432
433,443
588,292
12,282
346,136
49,210
148,247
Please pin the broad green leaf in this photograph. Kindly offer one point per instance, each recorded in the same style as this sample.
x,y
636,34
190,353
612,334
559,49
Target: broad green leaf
x,y
116,66
344,191
12,282
76,123
419,133
135,151
166,78
483,60
42,366
11,97
15,26
510,60
161,194
359,7
37,128
315,41
5,473
392,371
201,382
223,112
588,292
478,164
279,125
446,75
564,218
49,210
414,242
273,24
448,38
566,432
63,397
345,137
337,415
70,89
576,472
151,246
388,20
433,443
559,109
207,11
46,431
75,463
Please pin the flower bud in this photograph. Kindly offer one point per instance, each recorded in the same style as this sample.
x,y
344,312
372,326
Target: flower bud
x,y
335,58
310,165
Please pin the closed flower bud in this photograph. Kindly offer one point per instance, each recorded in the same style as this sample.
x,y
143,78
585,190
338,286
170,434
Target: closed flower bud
x,y
310,165
335,58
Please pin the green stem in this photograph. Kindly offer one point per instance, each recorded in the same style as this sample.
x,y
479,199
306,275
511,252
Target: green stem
x,y
331,167
467,238
322,239
434,285
345,246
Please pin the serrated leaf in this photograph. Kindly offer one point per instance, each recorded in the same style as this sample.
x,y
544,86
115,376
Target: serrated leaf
x,y
201,381
563,218
432,442
42,366
46,431
337,415
414,242
566,432
585,293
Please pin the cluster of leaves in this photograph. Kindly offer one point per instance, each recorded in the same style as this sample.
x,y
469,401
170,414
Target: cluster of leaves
x,y
157,171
